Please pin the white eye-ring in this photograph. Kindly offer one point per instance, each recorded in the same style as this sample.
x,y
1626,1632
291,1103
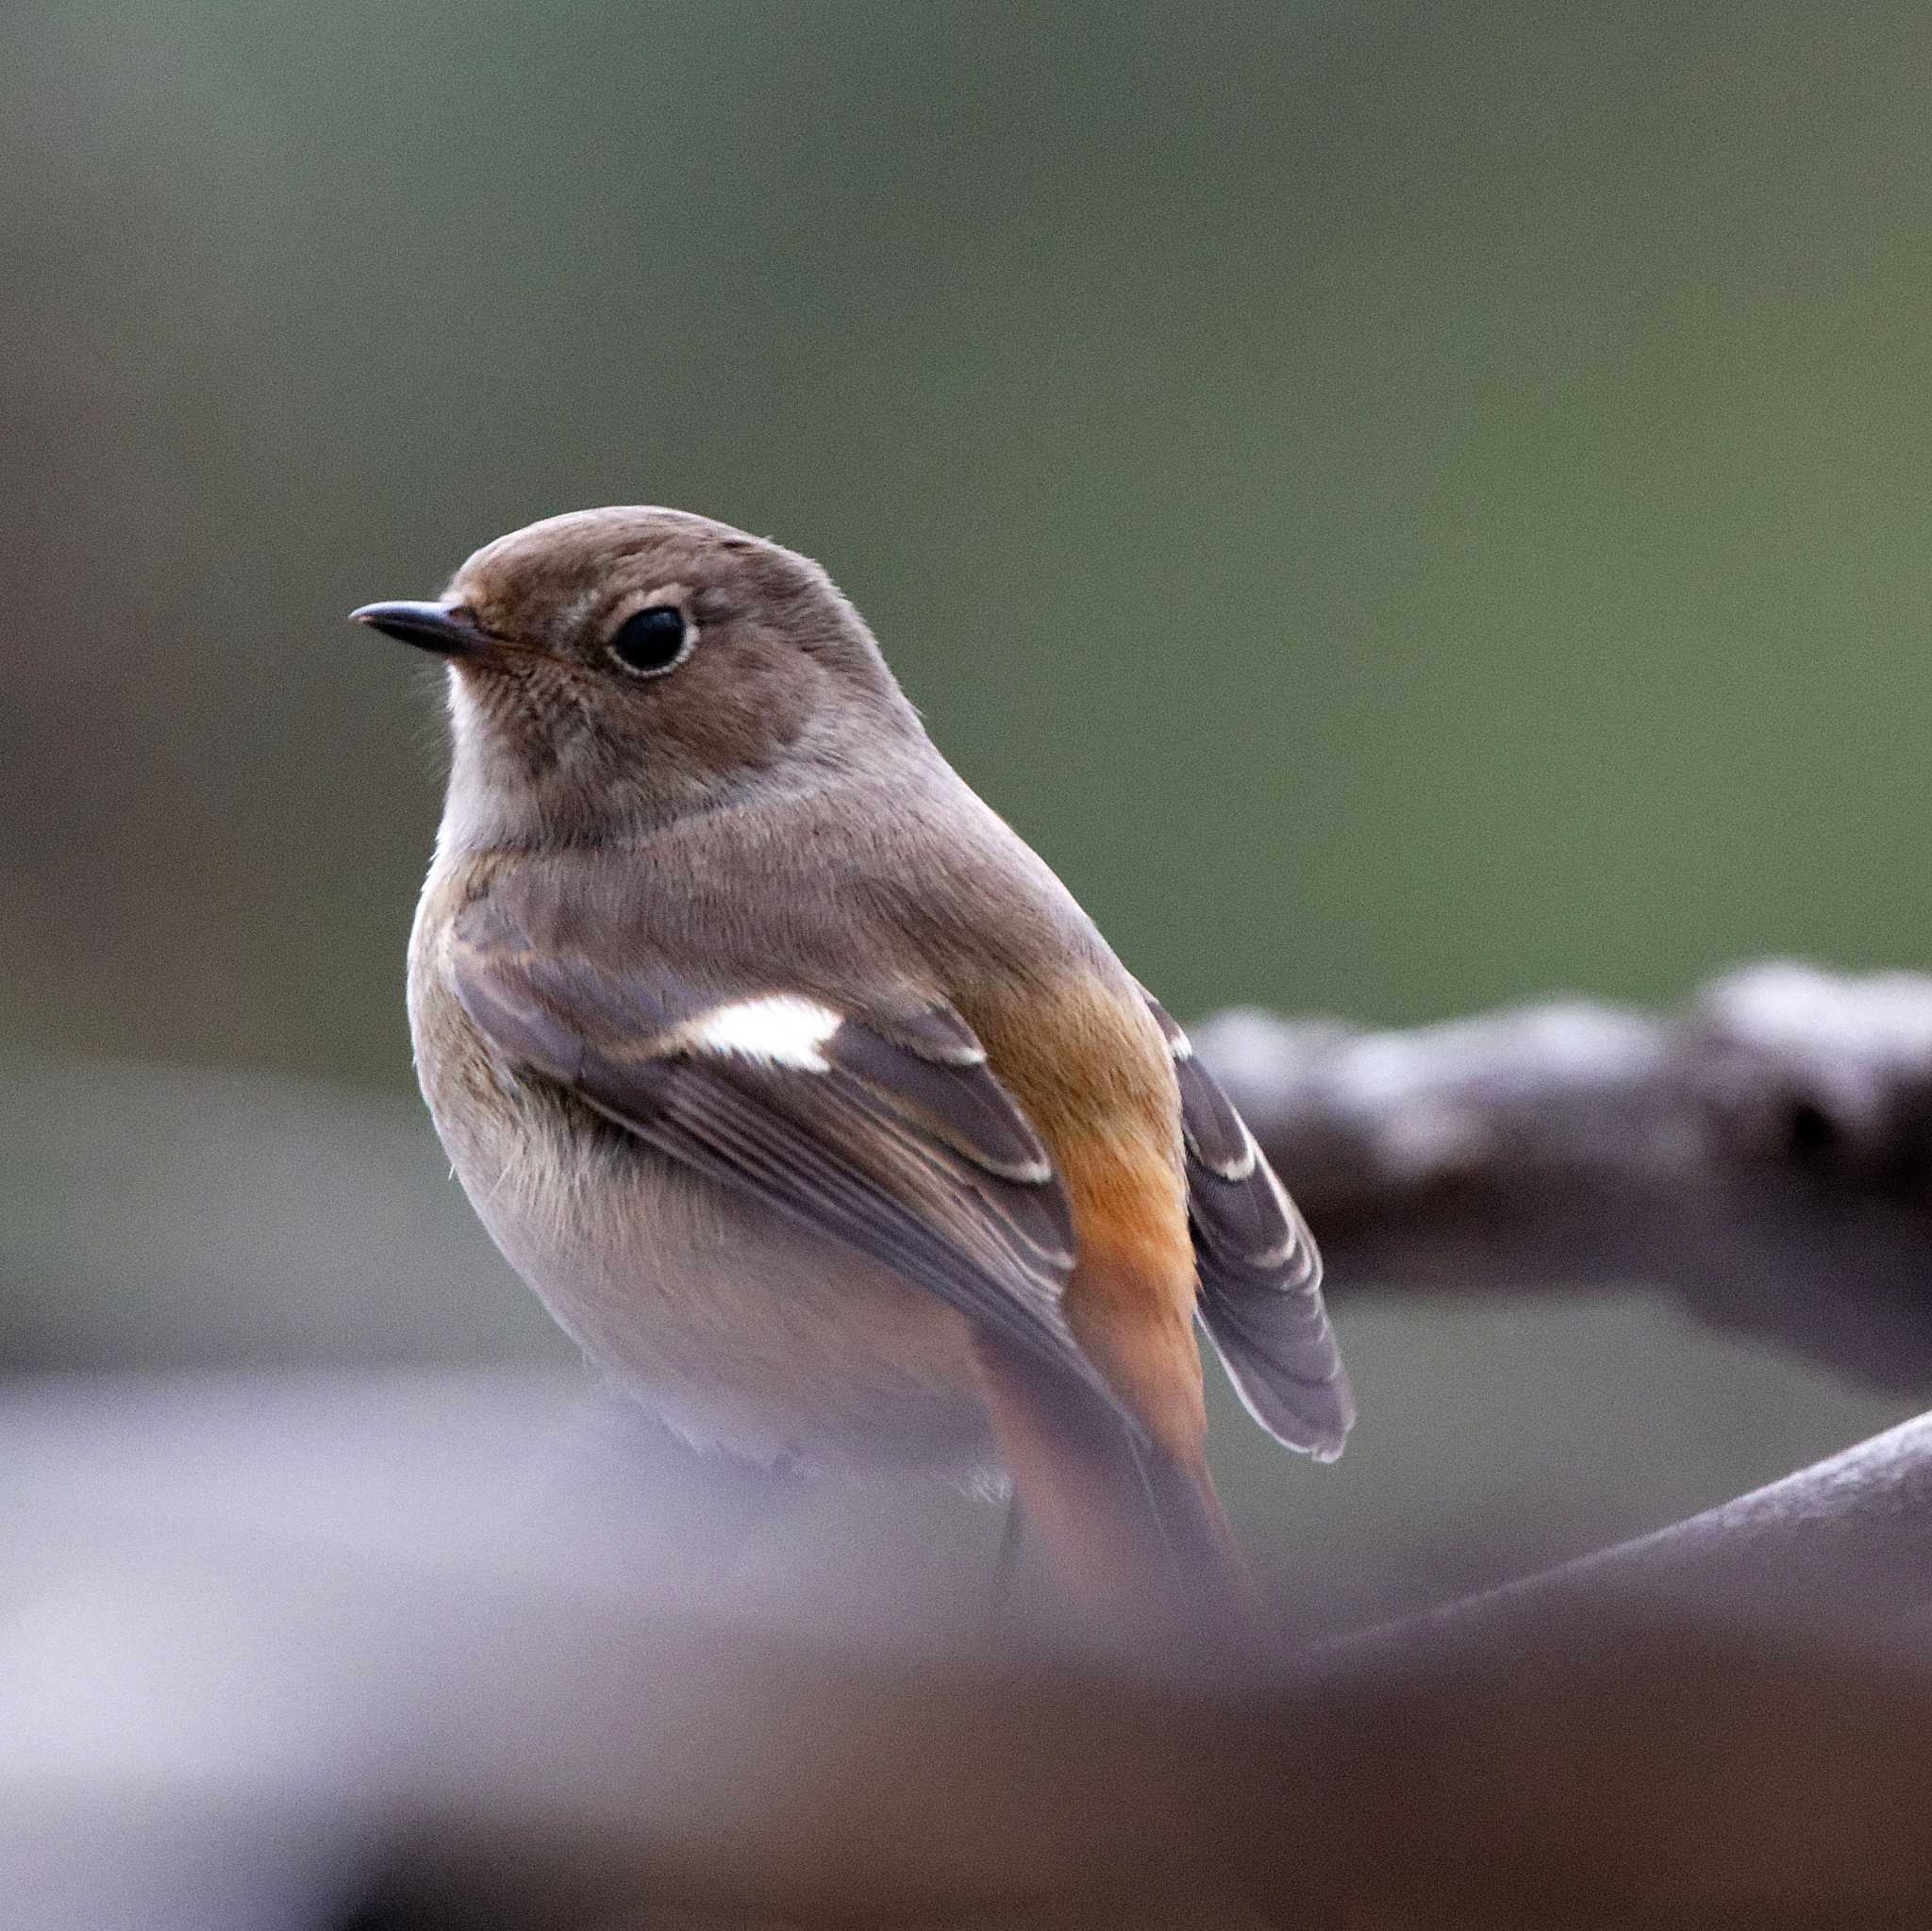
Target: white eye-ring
x,y
654,639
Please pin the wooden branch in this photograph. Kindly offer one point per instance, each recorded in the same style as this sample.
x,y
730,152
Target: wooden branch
x,y
1765,1154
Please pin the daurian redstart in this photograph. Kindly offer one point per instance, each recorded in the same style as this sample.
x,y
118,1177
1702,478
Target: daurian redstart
x,y
799,1088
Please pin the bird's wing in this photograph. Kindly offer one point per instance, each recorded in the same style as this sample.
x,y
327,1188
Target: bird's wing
x,y
1260,1276
884,1129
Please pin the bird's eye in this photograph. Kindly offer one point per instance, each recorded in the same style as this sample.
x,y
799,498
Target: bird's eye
x,y
652,641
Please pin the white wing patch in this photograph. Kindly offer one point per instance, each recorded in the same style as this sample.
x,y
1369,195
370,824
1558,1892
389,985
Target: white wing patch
x,y
1240,1169
780,1029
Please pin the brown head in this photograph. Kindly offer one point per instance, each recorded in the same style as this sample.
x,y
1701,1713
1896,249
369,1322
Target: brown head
x,y
630,662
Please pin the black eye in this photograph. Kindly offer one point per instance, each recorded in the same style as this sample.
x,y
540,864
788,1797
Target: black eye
x,y
652,641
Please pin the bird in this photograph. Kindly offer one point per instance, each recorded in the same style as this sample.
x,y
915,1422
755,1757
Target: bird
x,y
800,1089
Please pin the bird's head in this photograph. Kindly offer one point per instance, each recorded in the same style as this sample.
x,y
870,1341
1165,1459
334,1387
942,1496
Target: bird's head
x,y
617,664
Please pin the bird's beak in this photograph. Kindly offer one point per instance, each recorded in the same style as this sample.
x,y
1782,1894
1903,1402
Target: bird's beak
x,y
429,627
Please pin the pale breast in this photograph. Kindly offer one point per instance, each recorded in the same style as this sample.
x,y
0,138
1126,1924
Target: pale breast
x,y
736,1328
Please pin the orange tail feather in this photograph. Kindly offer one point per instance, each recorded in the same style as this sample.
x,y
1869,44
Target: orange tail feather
x,y
1123,1521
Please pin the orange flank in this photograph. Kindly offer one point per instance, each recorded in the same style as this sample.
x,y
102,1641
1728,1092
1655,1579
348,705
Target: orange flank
x,y
1116,1518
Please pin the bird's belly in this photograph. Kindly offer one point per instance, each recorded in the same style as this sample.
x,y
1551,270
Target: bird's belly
x,y
739,1330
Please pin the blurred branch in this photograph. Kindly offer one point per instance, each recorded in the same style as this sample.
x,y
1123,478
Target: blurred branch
x,y
1842,1546
1631,1772
1603,1745
1765,1154
514,1748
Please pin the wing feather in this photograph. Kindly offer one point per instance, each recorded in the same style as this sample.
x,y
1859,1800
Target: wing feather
x,y
1260,1273
893,1137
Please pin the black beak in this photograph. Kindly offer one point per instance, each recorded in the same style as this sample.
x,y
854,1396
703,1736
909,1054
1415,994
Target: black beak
x,y
429,627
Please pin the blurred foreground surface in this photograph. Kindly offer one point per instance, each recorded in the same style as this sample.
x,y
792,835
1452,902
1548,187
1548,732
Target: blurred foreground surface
x,y
223,1591
272,1648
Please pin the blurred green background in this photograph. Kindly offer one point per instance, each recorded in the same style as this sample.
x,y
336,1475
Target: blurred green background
x,y
1409,506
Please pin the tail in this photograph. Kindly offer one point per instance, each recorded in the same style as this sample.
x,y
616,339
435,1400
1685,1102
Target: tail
x,y
1124,1521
